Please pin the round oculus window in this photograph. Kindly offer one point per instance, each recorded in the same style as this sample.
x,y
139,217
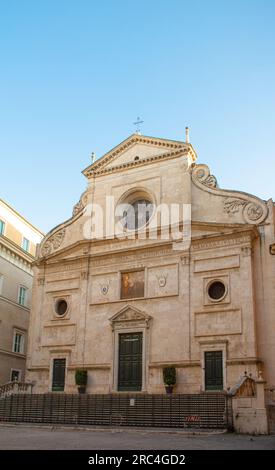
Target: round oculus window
x,y
61,307
216,290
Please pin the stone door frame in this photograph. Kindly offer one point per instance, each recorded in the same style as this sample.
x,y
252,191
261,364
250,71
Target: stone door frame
x,y
130,320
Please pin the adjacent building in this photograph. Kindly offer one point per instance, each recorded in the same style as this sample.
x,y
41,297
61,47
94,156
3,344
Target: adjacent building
x,y
18,240
123,307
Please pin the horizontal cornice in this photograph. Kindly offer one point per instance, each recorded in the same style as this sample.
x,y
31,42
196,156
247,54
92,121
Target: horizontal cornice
x,y
15,304
11,209
15,255
12,354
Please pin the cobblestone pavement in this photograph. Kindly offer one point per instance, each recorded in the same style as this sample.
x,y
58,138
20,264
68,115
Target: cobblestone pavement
x,y
31,437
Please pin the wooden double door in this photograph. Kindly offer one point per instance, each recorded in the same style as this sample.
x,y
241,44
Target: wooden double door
x,y
58,375
130,362
213,369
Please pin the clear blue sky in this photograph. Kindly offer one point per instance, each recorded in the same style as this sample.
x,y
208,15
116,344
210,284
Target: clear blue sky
x,y
76,74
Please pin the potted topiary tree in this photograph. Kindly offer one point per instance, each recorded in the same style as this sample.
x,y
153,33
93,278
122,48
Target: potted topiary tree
x,y
81,377
169,378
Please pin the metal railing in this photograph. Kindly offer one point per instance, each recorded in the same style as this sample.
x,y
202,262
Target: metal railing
x,y
206,410
270,406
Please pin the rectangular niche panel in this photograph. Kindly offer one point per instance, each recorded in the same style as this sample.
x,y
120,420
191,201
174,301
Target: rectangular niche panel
x,y
58,335
104,288
228,322
214,264
163,280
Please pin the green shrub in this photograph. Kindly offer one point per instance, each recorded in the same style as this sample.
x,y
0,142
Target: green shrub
x,y
81,377
169,375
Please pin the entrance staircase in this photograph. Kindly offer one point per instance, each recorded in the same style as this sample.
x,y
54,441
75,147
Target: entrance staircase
x,y
12,388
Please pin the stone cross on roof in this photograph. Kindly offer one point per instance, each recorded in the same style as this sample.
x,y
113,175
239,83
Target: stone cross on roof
x,y
138,123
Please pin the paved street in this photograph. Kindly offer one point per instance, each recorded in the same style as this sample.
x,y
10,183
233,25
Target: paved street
x,y
31,437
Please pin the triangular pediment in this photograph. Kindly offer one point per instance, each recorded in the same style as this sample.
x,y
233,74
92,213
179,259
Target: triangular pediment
x,y
130,314
137,150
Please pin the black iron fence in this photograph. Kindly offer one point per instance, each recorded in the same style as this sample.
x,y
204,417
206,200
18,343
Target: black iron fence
x,y
270,406
205,410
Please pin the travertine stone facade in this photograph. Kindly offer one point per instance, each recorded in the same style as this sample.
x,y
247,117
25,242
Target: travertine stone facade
x,y
180,323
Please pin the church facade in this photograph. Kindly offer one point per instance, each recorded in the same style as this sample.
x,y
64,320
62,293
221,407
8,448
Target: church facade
x,y
125,305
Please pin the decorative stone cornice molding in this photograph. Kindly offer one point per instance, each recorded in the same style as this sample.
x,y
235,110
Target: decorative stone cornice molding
x,y
175,148
14,257
244,361
237,234
134,256
254,210
88,366
178,364
221,242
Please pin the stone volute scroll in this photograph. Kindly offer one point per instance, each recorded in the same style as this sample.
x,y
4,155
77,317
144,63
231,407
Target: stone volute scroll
x,y
253,210
201,173
54,240
80,205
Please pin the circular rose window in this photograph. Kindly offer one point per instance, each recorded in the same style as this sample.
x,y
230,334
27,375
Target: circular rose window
x,y
61,307
216,290
138,214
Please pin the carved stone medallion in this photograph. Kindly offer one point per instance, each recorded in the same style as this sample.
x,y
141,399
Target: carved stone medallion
x,y
53,242
104,288
162,279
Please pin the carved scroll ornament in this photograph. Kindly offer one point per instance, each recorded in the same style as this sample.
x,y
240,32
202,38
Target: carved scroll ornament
x,y
53,243
201,173
80,204
252,212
